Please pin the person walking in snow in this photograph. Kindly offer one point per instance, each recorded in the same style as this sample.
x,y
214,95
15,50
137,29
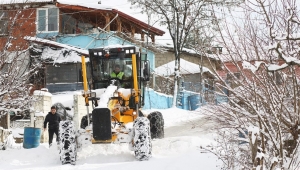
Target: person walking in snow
x,y
53,120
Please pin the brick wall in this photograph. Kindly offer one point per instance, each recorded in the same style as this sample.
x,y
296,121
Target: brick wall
x,y
23,25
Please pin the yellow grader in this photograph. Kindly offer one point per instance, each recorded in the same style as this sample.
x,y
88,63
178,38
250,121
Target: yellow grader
x,y
116,116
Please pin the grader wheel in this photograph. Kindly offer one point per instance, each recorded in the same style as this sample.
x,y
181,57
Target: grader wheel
x,y
156,125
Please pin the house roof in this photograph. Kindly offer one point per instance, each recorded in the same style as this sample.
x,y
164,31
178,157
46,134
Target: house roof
x,y
96,13
58,55
215,57
186,67
50,55
92,13
56,44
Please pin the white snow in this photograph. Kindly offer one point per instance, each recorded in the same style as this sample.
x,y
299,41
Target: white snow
x,y
124,92
248,65
41,93
36,39
58,56
274,67
254,132
180,149
186,67
106,95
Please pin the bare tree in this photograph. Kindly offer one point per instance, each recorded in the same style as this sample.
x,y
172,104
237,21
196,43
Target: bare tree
x,y
180,17
262,43
17,67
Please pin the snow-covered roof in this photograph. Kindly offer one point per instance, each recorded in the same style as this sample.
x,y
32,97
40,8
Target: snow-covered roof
x,y
41,40
63,55
68,53
190,51
186,67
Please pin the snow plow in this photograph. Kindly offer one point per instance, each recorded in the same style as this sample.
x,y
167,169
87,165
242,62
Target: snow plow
x,y
117,99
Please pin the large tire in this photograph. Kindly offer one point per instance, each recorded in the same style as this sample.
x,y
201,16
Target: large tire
x,y
156,125
142,145
67,145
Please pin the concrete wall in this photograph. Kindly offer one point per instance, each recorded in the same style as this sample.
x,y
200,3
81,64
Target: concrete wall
x,y
155,100
187,100
43,102
41,106
80,109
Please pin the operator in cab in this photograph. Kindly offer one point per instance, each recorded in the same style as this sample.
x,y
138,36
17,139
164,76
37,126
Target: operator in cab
x,y
117,73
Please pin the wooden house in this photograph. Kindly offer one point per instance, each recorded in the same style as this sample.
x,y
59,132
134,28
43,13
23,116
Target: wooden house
x,y
52,29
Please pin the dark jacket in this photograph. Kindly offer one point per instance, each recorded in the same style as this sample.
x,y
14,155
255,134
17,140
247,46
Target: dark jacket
x,y
53,120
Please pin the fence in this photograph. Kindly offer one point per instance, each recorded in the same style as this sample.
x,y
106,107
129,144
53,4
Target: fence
x,y
191,95
187,100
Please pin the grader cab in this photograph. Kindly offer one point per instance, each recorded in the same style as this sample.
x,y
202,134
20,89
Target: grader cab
x,y
117,102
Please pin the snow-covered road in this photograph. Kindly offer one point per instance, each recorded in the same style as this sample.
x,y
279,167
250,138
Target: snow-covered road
x,y
178,150
195,127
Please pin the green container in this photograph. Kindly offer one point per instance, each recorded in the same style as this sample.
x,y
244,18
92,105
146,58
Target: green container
x,y
32,137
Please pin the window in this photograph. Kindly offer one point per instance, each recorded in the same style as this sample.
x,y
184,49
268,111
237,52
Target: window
x,y
47,20
3,23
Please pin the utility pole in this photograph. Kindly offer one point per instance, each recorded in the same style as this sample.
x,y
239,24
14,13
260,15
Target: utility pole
x,y
176,69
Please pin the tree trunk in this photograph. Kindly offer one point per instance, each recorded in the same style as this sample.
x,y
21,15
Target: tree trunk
x,y
5,121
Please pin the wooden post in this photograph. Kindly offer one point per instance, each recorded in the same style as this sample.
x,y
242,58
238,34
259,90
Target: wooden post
x,y
107,20
143,36
5,121
119,25
152,38
132,32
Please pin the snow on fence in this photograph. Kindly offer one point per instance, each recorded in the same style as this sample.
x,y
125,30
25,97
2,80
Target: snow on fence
x,y
155,100
187,100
